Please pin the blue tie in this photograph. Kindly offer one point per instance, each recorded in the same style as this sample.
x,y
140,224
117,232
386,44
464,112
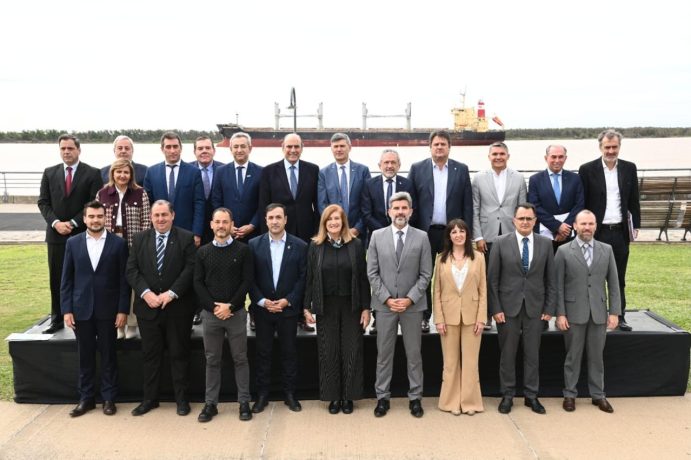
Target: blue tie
x,y
240,183
555,186
206,182
160,252
344,189
525,257
293,182
389,192
171,183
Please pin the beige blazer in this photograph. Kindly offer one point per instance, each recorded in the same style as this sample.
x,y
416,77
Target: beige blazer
x,y
467,305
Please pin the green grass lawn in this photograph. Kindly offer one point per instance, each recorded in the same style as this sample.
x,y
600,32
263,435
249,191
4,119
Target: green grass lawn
x,y
659,279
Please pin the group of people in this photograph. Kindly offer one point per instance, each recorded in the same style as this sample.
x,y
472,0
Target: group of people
x,y
153,251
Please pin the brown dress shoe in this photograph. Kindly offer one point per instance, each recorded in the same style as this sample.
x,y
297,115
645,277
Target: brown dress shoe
x,y
603,405
569,404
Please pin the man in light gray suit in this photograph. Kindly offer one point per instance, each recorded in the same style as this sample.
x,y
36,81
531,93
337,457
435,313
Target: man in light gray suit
x,y
521,294
399,268
582,313
496,194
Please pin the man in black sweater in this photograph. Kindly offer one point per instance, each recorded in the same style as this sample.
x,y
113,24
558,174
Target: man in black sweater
x,y
223,274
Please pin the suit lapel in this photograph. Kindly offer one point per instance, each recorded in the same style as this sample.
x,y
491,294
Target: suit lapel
x,y
489,183
266,249
597,253
106,250
548,186
451,178
428,170
578,253
59,175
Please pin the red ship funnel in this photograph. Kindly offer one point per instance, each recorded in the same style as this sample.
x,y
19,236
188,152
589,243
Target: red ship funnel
x,y
480,109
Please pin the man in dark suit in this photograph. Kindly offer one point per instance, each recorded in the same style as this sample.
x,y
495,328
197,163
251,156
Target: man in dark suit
x,y
521,294
610,187
280,263
65,189
242,200
123,148
95,300
342,182
204,151
293,183
582,268
443,192
557,195
180,184
160,269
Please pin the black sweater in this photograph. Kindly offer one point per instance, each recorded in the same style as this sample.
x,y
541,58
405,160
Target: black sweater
x,y
223,274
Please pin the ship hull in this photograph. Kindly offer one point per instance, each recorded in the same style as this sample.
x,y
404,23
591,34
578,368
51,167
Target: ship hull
x,y
265,137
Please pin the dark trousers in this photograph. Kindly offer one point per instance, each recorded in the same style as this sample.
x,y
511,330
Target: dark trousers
x,y
620,248
285,327
97,335
173,333
56,257
510,333
339,341
435,234
487,251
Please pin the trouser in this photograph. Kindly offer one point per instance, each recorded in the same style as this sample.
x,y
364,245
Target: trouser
x,y
592,337
435,234
97,335
56,257
620,248
285,327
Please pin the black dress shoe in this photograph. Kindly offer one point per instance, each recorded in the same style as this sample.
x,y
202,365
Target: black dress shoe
x,y
603,405
260,404
505,405
347,406
569,404
624,326
54,327
245,412
535,405
382,408
197,320
416,409
424,327
109,408
183,408
292,403
207,413
305,327
334,407
82,408
144,407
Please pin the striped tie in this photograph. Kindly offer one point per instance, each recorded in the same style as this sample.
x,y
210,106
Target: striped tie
x,y
160,252
586,254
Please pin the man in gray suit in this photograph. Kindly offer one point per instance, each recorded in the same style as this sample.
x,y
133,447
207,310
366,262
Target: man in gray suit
x,y
582,313
521,293
496,193
399,268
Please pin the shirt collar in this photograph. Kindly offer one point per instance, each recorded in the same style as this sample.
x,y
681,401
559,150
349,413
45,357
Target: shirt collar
x,y
166,234
176,164
550,172
281,239
384,178
74,166
102,237
346,164
581,242
604,165
222,245
396,229
520,237
287,164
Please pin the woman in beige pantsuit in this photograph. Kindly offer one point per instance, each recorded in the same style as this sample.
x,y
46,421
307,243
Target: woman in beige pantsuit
x,y
460,310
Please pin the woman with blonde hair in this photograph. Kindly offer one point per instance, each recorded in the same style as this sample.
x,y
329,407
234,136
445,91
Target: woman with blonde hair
x,y
460,311
127,212
338,292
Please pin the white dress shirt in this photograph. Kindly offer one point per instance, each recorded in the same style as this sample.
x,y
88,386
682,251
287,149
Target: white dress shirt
x,y
520,237
613,205
441,178
94,247
500,183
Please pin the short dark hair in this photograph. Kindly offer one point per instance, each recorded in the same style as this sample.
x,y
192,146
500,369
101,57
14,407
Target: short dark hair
x,y
170,135
500,145
222,209
70,137
525,205
93,204
203,138
340,137
273,206
440,133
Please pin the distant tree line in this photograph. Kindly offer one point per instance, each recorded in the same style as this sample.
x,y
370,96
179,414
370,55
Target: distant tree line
x,y
153,136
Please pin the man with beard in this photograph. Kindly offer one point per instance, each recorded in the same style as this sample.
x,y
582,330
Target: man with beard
x,y
399,268
95,300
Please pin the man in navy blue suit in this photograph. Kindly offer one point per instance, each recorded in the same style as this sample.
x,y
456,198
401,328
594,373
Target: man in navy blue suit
x,y
204,151
280,265
180,184
341,182
444,192
95,300
123,148
557,195
240,196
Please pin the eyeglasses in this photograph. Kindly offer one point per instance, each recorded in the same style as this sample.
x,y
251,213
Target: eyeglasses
x,y
525,219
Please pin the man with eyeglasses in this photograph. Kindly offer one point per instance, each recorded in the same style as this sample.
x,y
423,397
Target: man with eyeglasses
x,y
496,193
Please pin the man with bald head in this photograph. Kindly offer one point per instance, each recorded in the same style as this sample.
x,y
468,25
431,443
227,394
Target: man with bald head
x,y
123,148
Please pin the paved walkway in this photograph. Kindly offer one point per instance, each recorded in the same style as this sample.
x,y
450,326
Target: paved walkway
x,y
640,428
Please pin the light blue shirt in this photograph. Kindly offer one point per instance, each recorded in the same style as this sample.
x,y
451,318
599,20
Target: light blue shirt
x,y
287,165
551,180
276,247
209,171
441,178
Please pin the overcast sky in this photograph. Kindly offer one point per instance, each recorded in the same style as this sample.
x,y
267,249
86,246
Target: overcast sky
x,y
80,65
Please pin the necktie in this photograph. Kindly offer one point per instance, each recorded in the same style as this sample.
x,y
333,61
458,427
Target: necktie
x,y
68,181
239,182
525,257
206,182
160,252
344,189
399,246
586,254
293,182
389,192
171,183
555,186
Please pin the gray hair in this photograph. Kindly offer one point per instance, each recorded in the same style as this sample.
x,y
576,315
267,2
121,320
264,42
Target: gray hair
x,y
609,134
340,137
555,146
122,137
385,151
241,134
398,196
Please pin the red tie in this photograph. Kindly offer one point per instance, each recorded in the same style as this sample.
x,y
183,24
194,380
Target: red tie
x,y
68,181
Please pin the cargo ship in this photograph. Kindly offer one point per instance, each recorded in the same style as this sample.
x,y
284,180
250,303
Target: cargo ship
x,y
471,127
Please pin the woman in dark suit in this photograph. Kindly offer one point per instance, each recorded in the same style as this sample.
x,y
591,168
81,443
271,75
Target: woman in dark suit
x,y
127,212
460,310
337,291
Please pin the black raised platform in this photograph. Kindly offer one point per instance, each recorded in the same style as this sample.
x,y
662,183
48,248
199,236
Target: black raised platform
x,y
653,360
